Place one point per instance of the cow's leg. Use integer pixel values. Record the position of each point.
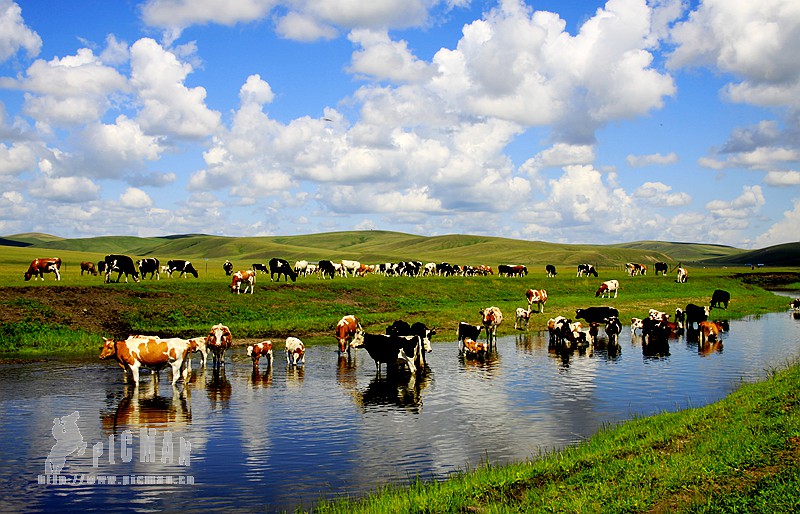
(135, 372)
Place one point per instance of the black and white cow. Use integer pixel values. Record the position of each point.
(402, 328)
(596, 314)
(661, 267)
(228, 267)
(720, 299)
(120, 264)
(281, 267)
(258, 266)
(388, 349)
(695, 314)
(586, 269)
(551, 270)
(149, 265)
(467, 331)
(795, 304)
(326, 268)
(185, 268)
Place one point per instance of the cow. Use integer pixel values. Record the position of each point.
(88, 267)
(185, 267)
(281, 267)
(301, 268)
(470, 348)
(262, 349)
(680, 318)
(521, 318)
(245, 276)
(607, 287)
(429, 269)
(295, 352)
(709, 331)
(537, 296)
(151, 352)
(682, 275)
(345, 331)
(465, 330)
(257, 266)
(149, 265)
(550, 270)
(661, 267)
(197, 345)
(326, 268)
(720, 299)
(120, 264)
(228, 267)
(586, 269)
(39, 267)
(388, 349)
(402, 328)
(695, 314)
(218, 340)
(491, 317)
(636, 324)
(350, 266)
(655, 335)
(613, 329)
(101, 267)
(795, 304)
(512, 270)
(596, 314)
(556, 328)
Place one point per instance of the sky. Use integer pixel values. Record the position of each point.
(571, 121)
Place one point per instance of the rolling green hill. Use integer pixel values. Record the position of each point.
(382, 246)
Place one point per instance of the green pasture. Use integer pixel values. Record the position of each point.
(310, 307)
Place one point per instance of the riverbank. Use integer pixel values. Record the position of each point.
(741, 454)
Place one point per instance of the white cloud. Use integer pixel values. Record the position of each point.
(14, 33)
(384, 59)
(65, 189)
(782, 178)
(657, 194)
(135, 198)
(638, 161)
(16, 159)
(743, 207)
(303, 27)
(784, 231)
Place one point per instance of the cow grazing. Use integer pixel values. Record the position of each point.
(661, 267)
(596, 314)
(695, 314)
(281, 267)
(39, 267)
(295, 352)
(88, 267)
(350, 266)
(185, 267)
(151, 352)
(634, 269)
(326, 268)
(682, 275)
(537, 296)
(512, 270)
(301, 268)
(120, 264)
(228, 267)
(149, 265)
(247, 277)
(262, 349)
(521, 318)
(586, 269)
(720, 299)
(550, 270)
(709, 331)
(607, 287)
(218, 340)
(257, 266)
(345, 331)
(613, 329)
(491, 318)
(388, 349)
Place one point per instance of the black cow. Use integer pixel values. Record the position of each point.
(228, 267)
(101, 266)
(661, 267)
(326, 267)
(388, 349)
(551, 270)
(120, 264)
(586, 269)
(445, 269)
(465, 330)
(695, 314)
(281, 267)
(720, 299)
(149, 265)
(655, 336)
(257, 266)
(596, 314)
(185, 267)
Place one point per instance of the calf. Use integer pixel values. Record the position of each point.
(148, 351)
(720, 299)
(491, 318)
(39, 267)
(262, 349)
(257, 266)
(557, 327)
(149, 265)
(682, 275)
(607, 287)
(197, 345)
(295, 352)
(636, 324)
(521, 319)
(88, 267)
(345, 331)
(550, 270)
(537, 296)
(470, 348)
(218, 340)
(247, 277)
(326, 268)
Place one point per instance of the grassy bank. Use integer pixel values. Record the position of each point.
(741, 454)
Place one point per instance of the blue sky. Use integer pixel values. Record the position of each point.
(561, 121)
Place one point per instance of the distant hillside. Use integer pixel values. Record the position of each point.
(382, 246)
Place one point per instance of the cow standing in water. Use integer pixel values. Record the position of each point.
(39, 267)
(491, 317)
(345, 331)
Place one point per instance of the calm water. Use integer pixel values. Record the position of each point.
(287, 438)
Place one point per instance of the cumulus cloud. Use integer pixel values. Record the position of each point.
(17, 158)
(743, 207)
(135, 198)
(784, 231)
(782, 178)
(639, 161)
(658, 194)
(14, 33)
(384, 59)
(65, 189)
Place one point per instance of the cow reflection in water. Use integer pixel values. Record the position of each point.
(346, 371)
(261, 378)
(218, 390)
(397, 389)
(142, 406)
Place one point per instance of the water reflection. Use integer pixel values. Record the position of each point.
(394, 389)
(142, 405)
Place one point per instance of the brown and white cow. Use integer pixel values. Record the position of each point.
(39, 267)
(262, 349)
(491, 317)
(521, 318)
(247, 277)
(295, 352)
(682, 275)
(607, 287)
(537, 296)
(709, 331)
(218, 340)
(151, 352)
(197, 345)
(88, 267)
(345, 330)
(470, 348)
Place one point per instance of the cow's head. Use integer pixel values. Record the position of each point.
(358, 338)
(109, 348)
(219, 337)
